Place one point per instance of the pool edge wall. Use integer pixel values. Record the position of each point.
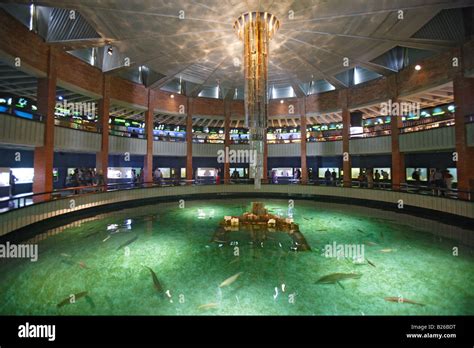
(23, 223)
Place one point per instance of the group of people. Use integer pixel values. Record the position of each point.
(370, 179)
(85, 177)
(440, 181)
(330, 177)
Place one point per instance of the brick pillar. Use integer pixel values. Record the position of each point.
(396, 122)
(464, 102)
(304, 168)
(44, 155)
(227, 114)
(265, 159)
(149, 125)
(189, 139)
(102, 157)
(346, 134)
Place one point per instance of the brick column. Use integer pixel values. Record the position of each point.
(44, 155)
(346, 134)
(149, 125)
(102, 157)
(189, 139)
(396, 122)
(304, 168)
(227, 114)
(265, 159)
(464, 102)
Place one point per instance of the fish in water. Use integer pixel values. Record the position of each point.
(106, 238)
(306, 219)
(82, 265)
(67, 300)
(370, 263)
(337, 277)
(128, 242)
(91, 234)
(67, 262)
(65, 255)
(371, 243)
(156, 282)
(237, 259)
(387, 250)
(208, 306)
(402, 300)
(359, 230)
(230, 280)
(321, 230)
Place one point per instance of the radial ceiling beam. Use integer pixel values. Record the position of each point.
(422, 44)
(332, 80)
(380, 69)
(297, 89)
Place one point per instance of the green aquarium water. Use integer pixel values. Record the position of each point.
(106, 258)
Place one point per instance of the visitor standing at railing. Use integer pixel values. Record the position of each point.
(416, 176)
(13, 180)
(377, 178)
(448, 180)
(327, 176)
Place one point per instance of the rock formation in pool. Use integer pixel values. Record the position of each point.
(260, 224)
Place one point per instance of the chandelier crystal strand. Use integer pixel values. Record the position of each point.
(256, 29)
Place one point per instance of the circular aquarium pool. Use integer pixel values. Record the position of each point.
(165, 259)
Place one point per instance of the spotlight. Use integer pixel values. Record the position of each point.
(172, 96)
(282, 101)
(417, 67)
(110, 51)
(60, 97)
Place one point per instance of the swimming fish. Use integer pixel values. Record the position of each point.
(65, 255)
(230, 280)
(208, 306)
(82, 265)
(321, 230)
(371, 243)
(402, 300)
(106, 238)
(127, 242)
(67, 300)
(237, 259)
(156, 282)
(370, 263)
(91, 234)
(337, 277)
(387, 250)
(359, 230)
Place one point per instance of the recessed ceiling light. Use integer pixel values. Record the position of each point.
(172, 96)
(282, 101)
(417, 67)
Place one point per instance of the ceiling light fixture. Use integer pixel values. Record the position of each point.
(282, 101)
(172, 96)
(417, 67)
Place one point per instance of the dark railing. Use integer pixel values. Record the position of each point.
(207, 141)
(371, 134)
(70, 123)
(20, 201)
(427, 126)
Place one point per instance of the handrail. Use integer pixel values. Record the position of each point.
(94, 189)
